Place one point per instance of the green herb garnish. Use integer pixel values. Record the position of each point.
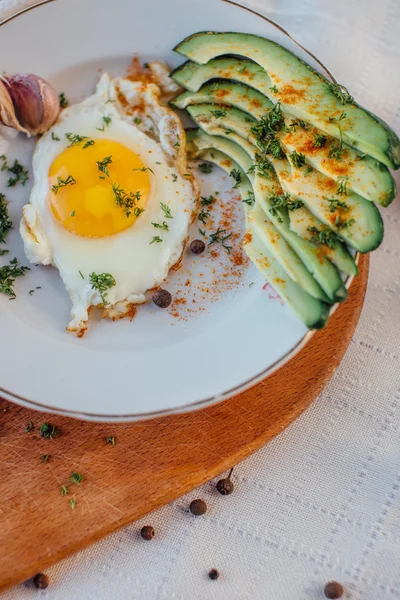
(262, 167)
(63, 100)
(103, 164)
(137, 211)
(269, 124)
(49, 431)
(163, 226)
(111, 440)
(206, 201)
(137, 121)
(236, 176)
(342, 184)
(298, 159)
(54, 137)
(219, 112)
(319, 140)
(144, 169)
(156, 240)
(218, 238)
(250, 199)
(21, 175)
(166, 210)
(125, 201)
(282, 201)
(294, 124)
(76, 478)
(274, 89)
(341, 223)
(72, 502)
(8, 275)
(336, 151)
(62, 183)
(340, 92)
(64, 490)
(335, 203)
(75, 139)
(45, 457)
(203, 215)
(174, 177)
(205, 167)
(324, 236)
(106, 123)
(101, 283)
(5, 222)
(212, 88)
(29, 427)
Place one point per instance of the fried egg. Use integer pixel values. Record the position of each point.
(112, 198)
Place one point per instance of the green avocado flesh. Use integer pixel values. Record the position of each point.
(359, 224)
(302, 92)
(365, 175)
(323, 271)
(270, 253)
(312, 163)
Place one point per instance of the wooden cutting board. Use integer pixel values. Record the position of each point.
(152, 463)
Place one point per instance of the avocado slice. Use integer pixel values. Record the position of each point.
(311, 311)
(226, 92)
(351, 217)
(364, 175)
(192, 76)
(322, 269)
(307, 226)
(301, 91)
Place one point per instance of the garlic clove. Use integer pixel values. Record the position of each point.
(7, 111)
(35, 103)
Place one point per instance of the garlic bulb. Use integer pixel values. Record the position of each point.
(28, 103)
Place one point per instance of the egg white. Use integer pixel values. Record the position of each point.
(136, 264)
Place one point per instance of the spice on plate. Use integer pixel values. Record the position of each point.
(198, 507)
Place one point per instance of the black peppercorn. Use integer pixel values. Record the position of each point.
(198, 507)
(41, 581)
(213, 574)
(162, 298)
(225, 487)
(333, 590)
(197, 246)
(147, 532)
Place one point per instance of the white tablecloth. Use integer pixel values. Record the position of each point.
(322, 501)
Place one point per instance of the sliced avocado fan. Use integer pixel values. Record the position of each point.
(351, 217)
(265, 192)
(302, 91)
(363, 174)
(267, 252)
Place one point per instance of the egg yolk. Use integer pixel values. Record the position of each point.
(98, 190)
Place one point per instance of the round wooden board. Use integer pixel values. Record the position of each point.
(152, 463)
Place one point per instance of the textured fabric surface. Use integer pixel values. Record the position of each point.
(322, 501)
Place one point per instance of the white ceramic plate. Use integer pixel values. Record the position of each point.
(234, 335)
